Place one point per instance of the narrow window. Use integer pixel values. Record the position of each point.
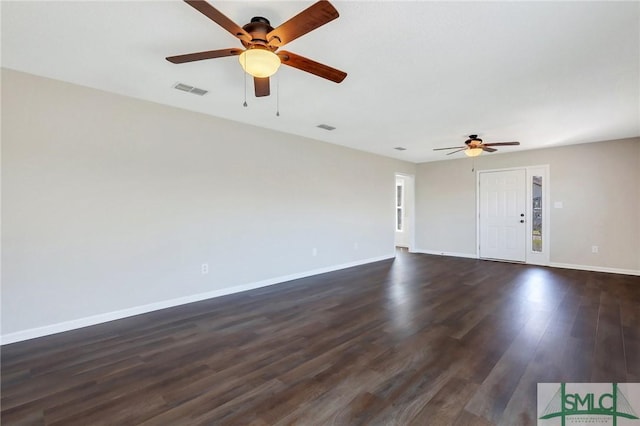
(536, 226)
(399, 206)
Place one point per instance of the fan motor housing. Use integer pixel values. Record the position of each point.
(259, 27)
(473, 140)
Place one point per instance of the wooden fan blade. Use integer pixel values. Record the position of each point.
(453, 152)
(501, 143)
(453, 147)
(261, 86)
(488, 149)
(310, 66)
(199, 56)
(306, 21)
(219, 18)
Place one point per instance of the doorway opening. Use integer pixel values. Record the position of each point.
(404, 211)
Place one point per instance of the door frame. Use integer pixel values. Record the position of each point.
(531, 257)
(409, 207)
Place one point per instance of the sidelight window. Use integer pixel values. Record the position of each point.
(536, 226)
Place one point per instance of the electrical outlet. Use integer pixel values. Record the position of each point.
(594, 249)
(355, 246)
(204, 268)
(314, 252)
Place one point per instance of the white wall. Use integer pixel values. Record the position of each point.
(109, 203)
(597, 183)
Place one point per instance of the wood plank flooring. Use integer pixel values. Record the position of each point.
(419, 340)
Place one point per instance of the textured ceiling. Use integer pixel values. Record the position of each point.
(421, 74)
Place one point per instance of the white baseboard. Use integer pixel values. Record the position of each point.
(60, 327)
(445, 253)
(595, 268)
(551, 264)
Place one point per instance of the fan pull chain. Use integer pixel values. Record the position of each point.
(277, 95)
(245, 82)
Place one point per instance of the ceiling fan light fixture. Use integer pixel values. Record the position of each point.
(473, 152)
(259, 63)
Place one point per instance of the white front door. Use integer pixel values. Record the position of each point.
(502, 215)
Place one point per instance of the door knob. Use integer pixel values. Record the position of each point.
(522, 221)
(521, 214)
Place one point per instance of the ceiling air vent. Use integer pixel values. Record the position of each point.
(400, 148)
(326, 127)
(190, 89)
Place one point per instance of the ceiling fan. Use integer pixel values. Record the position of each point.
(260, 57)
(474, 146)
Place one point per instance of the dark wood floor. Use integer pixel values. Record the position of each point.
(421, 339)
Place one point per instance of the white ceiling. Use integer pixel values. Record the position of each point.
(421, 74)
